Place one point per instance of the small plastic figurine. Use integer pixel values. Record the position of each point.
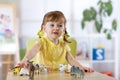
(72, 71)
(24, 71)
(16, 70)
(77, 72)
(37, 68)
(43, 68)
(62, 67)
(31, 69)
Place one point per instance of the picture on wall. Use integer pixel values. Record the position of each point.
(7, 24)
(7, 27)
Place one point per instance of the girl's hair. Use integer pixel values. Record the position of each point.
(55, 16)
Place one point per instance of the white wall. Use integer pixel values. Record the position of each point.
(31, 13)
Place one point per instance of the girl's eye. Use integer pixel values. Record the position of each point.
(60, 25)
(52, 25)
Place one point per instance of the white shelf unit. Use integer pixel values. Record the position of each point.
(86, 43)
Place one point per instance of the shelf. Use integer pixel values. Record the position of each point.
(96, 51)
(103, 61)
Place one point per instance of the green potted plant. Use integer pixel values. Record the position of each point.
(105, 10)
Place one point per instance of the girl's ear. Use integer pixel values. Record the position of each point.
(64, 30)
(44, 28)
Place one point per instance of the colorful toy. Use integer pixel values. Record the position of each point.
(16, 70)
(99, 53)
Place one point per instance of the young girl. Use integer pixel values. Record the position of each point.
(52, 48)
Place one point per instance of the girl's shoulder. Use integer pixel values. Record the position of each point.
(40, 40)
(61, 41)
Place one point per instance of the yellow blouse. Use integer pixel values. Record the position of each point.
(50, 54)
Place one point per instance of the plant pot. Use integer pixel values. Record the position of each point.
(90, 27)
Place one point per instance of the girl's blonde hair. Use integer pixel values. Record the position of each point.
(54, 16)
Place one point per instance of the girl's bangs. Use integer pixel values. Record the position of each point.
(55, 19)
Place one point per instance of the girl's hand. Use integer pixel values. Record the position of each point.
(23, 63)
(87, 69)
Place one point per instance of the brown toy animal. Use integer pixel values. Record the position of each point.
(31, 69)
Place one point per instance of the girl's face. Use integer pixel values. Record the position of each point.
(54, 29)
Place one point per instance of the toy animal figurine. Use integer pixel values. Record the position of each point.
(43, 69)
(37, 68)
(77, 72)
(72, 71)
(31, 69)
(16, 70)
(24, 71)
(62, 67)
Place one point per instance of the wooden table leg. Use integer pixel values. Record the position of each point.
(5, 66)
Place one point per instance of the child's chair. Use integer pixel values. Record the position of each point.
(73, 46)
(29, 45)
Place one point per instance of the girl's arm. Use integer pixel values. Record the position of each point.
(73, 62)
(31, 53)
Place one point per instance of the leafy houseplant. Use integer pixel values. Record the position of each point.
(105, 10)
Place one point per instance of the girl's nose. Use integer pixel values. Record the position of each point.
(56, 27)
